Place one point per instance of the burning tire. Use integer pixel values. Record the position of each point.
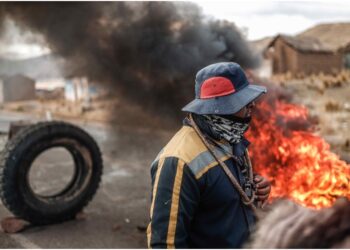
(18, 157)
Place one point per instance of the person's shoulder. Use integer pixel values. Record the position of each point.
(185, 145)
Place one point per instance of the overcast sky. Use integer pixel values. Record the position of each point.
(266, 18)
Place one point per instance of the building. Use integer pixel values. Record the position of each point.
(324, 48)
(16, 88)
(302, 55)
(80, 89)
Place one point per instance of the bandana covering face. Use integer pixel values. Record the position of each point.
(229, 129)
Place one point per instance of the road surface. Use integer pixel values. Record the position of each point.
(118, 214)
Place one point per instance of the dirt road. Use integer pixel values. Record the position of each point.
(118, 215)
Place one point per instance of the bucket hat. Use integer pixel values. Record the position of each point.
(222, 89)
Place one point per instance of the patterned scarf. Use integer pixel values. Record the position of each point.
(230, 130)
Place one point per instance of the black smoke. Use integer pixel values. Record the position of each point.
(146, 52)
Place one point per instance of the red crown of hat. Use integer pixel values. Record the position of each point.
(215, 87)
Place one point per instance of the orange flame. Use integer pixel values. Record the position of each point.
(298, 163)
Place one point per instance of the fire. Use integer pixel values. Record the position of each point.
(298, 163)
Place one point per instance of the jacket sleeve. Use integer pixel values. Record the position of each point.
(175, 197)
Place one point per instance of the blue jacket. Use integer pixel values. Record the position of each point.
(194, 204)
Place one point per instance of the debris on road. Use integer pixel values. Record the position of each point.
(13, 225)
(142, 228)
(116, 227)
(81, 216)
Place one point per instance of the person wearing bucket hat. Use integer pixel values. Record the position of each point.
(222, 89)
(204, 191)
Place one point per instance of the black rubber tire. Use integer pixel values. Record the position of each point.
(18, 156)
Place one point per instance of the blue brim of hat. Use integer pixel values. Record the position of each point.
(225, 105)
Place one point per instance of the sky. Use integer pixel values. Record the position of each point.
(256, 18)
(15, 44)
(259, 19)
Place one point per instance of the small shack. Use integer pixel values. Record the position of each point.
(16, 88)
(322, 48)
(305, 55)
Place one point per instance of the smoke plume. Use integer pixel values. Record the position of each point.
(147, 52)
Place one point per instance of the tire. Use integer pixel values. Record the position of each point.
(20, 153)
